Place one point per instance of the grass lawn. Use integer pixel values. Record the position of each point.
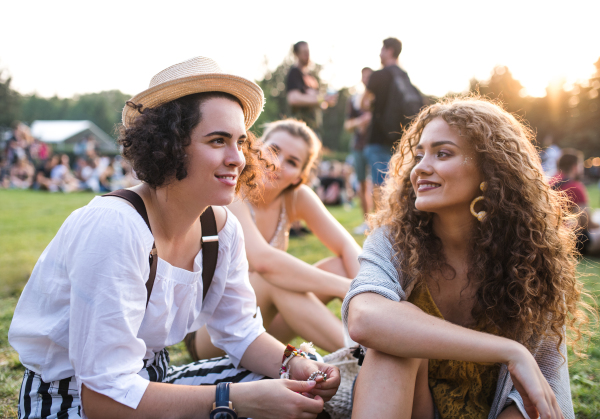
(29, 220)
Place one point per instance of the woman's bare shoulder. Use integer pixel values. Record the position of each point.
(220, 217)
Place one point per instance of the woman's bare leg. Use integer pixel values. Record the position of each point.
(279, 327)
(389, 386)
(300, 313)
(281, 330)
(204, 347)
(423, 401)
(304, 313)
(335, 265)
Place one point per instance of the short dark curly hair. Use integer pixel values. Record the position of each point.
(155, 143)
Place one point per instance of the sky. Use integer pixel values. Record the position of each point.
(66, 47)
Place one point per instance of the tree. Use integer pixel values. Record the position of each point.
(10, 101)
(103, 109)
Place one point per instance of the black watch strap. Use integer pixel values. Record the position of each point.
(223, 408)
(222, 397)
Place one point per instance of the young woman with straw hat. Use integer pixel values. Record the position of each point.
(93, 322)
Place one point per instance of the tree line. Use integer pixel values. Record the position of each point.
(570, 116)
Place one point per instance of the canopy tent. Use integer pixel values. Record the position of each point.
(64, 135)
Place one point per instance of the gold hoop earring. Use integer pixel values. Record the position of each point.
(481, 214)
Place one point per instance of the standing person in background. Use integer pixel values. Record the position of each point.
(303, 90)
(357, 121)
(393, 100)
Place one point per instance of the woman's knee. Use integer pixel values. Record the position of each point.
(333, 264)
(378, 360)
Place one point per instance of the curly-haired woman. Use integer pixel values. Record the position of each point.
(467, 283)
(93, 322)
(291, 293)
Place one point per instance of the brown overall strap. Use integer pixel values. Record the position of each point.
(138, 203)
(210, 241)
(210, 251)
(210, 248)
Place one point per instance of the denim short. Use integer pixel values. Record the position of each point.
(360, 165)
(378, 157)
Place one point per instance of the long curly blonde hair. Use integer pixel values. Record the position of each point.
(522, 257)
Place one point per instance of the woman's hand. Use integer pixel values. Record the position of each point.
(275, 399)
(301, 369)
(538, 398)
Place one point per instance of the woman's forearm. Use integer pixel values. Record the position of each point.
(297, 98)
(160, 400)
(263, 356)
(288, 272)
(403, 330)
(350, 258)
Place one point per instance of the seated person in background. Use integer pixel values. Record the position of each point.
(88, 174)
(332, 188)
(568, 180)
(291, 293)
(62, 177)
(21, 174)
(43, 180)
(468, 283)
(106, 176)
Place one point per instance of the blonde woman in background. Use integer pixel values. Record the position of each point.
(292, 294)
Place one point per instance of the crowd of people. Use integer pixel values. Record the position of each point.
(457, 306)
(376, 116)
(28, 163)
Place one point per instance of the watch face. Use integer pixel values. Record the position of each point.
(223, 413)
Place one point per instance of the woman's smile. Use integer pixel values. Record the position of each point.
(424, 186)
(228, 179)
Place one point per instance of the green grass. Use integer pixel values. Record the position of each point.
(29, 220)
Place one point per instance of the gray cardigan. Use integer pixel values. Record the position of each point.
(378, 274)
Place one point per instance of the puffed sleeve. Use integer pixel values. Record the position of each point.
(236, 321)
(377, 272)
(107, 266)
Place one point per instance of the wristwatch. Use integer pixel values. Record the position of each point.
(222, 407)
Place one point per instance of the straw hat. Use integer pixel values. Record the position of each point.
(197, 75)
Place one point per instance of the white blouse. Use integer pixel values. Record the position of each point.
(83, 311)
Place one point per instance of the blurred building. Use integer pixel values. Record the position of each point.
(64, 136)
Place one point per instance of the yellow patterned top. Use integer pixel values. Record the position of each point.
(460, 389)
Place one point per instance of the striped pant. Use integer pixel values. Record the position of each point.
(60, 399)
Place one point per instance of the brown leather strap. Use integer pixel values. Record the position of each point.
(210, 242)
(138, 203)
(210, 251)
(210, 248)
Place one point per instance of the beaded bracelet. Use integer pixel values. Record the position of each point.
(288, 354)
